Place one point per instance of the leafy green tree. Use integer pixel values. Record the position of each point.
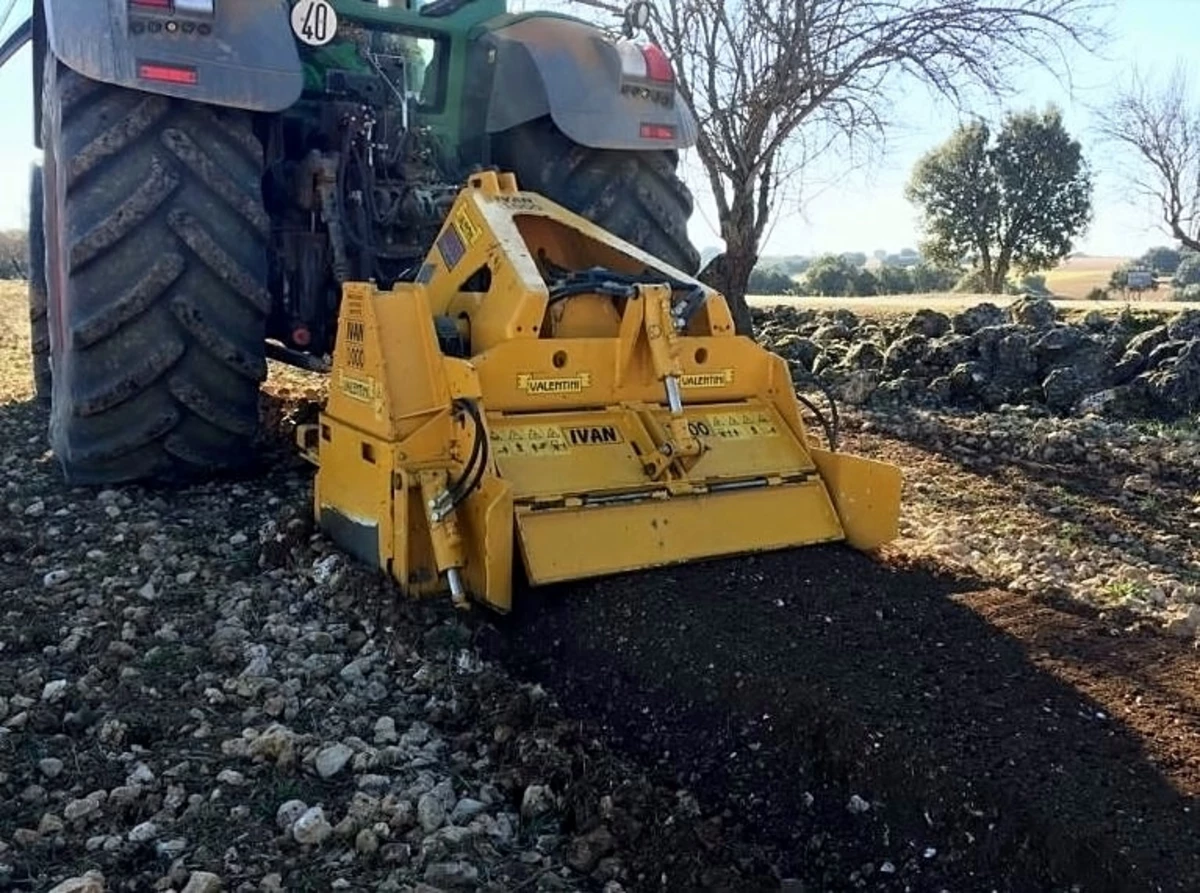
(894, 281)
(771, 281)
(1019, 201)
(1188, 272)
(829, 276)
(927, 277)
(970, 282)
(1162, 259)
(863, 284)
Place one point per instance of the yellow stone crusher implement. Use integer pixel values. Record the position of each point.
(546, 387)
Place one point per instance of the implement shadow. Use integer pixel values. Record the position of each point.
(780, 686)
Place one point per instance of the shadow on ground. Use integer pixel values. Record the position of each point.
(782, 686)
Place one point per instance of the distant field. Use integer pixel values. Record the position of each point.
(1076, 277)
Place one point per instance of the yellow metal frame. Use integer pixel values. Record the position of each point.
(601, 432)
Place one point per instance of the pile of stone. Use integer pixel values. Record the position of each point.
(1119, 366)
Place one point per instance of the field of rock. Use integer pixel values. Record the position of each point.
(1041, 451)
(198, 693)
(1127, 365)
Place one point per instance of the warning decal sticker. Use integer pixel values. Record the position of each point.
(742, 425)
(528, 440)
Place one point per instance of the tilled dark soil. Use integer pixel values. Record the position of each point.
(877, 727)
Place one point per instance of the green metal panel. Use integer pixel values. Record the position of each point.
(455, 29)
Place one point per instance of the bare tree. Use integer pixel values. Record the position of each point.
(1162, 128)
(774, 83)
(14, 251)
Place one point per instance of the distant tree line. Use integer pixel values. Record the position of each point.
(14, 254)
(1181, 266)
(844, 275)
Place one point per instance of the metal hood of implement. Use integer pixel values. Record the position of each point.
(547, 389)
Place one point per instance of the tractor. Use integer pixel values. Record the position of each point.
(216, 171)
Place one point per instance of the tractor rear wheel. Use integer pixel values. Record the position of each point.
(157, 264)
(39, 325)
(636, 196)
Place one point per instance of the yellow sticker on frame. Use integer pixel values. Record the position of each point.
(466, 227)
(528, 440)
(742, 425)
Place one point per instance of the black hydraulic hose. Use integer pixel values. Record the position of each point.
(830, 437)
(476, 480)
(476, 463)
(464, 406)
(832, 430)
(579, 282)
(571, 289)
(340, 193)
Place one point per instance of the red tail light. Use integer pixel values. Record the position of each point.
(658, 66)
(181, 7)
(658, 132)
(168, 74)
(644, 62)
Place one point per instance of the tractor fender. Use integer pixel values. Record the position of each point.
(243, 56)
(544, 64)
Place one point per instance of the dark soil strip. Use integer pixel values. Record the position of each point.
(783, 685)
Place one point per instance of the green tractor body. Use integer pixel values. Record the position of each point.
(214, 170)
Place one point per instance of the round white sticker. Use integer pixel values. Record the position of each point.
(314, 21)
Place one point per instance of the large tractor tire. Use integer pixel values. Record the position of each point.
(636, 196)
(39, 324)
(157, 264)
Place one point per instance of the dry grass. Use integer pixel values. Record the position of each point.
(16, 382)
(1077, 276)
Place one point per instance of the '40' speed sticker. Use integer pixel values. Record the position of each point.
(314, 21)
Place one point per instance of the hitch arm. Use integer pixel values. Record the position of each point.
(661, 334)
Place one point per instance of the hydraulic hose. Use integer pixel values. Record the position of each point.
(477, 461)
(832, 428)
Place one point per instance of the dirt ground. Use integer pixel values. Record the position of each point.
(1002, 743)
(844, 721)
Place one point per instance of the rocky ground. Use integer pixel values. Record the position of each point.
(1130, 365)
(1094, 497)
(198, 693)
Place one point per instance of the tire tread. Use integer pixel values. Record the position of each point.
(637, 196)
(165, 301)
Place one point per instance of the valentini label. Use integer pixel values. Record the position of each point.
(573, 384)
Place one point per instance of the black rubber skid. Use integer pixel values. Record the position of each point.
(636, 196)
(159, 238)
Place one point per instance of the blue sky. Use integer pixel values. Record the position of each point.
(865, 210)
